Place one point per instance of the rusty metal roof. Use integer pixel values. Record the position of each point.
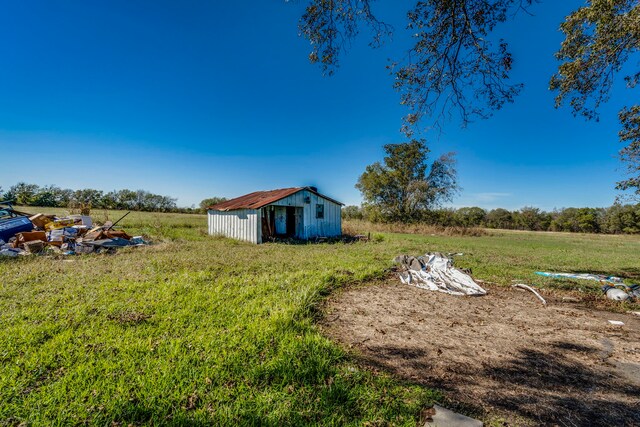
(259, 199)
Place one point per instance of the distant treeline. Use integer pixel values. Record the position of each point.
(51, 196)
(617, 219)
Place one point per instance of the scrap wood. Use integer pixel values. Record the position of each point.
(40, 220)
(34, 246)
(99, 234)
(30, 236)
(527, 287)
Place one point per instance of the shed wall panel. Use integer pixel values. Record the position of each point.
(241, 224)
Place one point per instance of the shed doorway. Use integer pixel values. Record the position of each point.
(294, 222)
(291, 221)
(282, 222)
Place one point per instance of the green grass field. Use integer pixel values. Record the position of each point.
(196, 330)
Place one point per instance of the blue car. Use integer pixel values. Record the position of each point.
(12, 222)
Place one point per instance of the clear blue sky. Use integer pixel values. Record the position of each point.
(195, 99)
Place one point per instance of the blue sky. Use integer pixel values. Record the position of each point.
(195, 99)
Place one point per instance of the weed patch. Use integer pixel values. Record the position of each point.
(129, 317)
(359, 227)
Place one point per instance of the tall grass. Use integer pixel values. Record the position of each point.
(354, 226)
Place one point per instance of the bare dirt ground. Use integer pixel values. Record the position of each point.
(503, 357)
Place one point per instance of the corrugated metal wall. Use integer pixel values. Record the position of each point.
(241, 224)
(329, 226)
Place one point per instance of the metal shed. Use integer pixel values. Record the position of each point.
(298, 212)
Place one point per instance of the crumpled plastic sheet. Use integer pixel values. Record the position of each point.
(435, 272)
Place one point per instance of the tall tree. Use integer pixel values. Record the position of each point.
(600, 38)
(404, 185)
(630, 155)
(499, 218)
(471, 217)
(532, 218)
(22, 193)
(453, 67)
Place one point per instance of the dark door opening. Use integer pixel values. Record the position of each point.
(291, 221)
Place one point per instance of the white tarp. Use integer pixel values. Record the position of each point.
(435, 272)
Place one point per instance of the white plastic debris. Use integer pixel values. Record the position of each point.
(446, 418)
(529, 288)
(615, 293)
(616, 322)
(435, 272)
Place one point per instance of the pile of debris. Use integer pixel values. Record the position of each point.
(613, 287)
(25, 234)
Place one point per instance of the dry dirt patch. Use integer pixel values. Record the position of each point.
(502, 355)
